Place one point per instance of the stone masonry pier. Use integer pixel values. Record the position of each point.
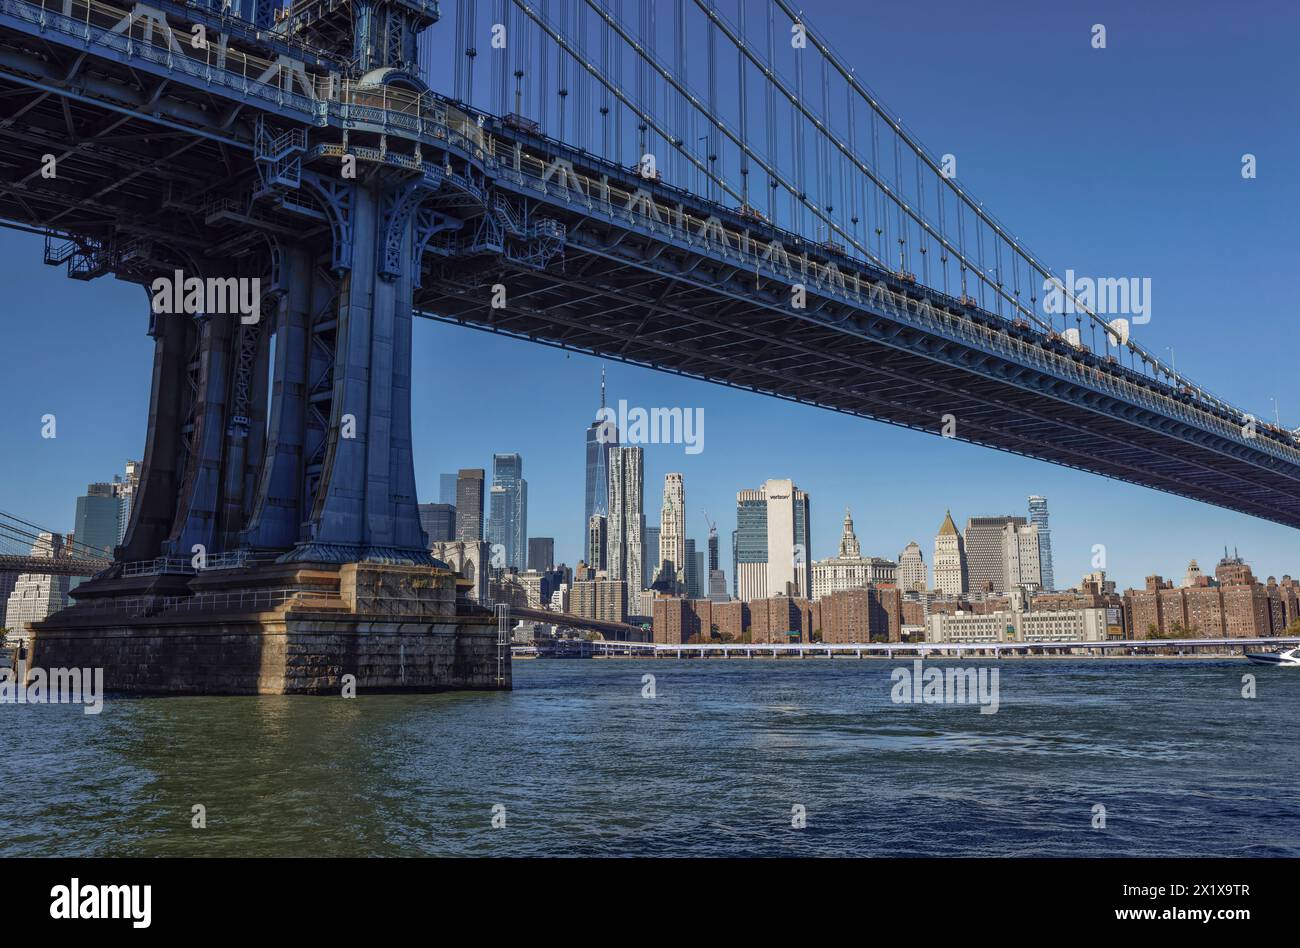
(281, 629)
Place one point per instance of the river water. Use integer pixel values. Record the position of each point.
(723, 760)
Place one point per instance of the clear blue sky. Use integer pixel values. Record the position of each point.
(1123, 161)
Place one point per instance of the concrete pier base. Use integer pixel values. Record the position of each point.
(281, 629)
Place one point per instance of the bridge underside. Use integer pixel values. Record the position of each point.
(157, 171)
(629, 299)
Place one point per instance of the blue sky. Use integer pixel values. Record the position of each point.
(1123, 161)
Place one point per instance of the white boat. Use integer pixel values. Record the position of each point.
(1286, 656)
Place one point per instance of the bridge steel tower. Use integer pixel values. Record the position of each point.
(278, 454)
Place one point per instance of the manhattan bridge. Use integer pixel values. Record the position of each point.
(703, 188)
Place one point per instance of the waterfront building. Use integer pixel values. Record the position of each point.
(850, 569)
(950, 576)
(36, 596)
(912, 574)
(1232, 604)
(731, 618)
(508, 517)
(602, 438)
(681, 621)
(438, 521)
(626, 516)
(778, 619)
(1017, 625)
(1039, 517)
(986, 569)
(771, 541)
(541, 553)
(469, 504)
(862, 615)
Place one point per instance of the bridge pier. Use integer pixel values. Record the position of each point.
(255, 530)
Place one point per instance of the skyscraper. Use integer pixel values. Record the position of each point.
(469, 503)
(626, 516)
(541, 554)
(438, 521)
(717, 579)
(597, 541)
(949, 559)
(911, 569)
(508, 515)
(602, 438)
(985, 565)
(125, 487)
(447, 489)
(771, 542)
(1038, 517)
(672, 534)
(749, 546)
(649, 556)
(97, 523)
(1021, 557)
(36, 596)
(98, 517)
(690, 579)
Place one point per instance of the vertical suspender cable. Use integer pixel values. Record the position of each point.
(797, 140)
(713, 104)
(458, 63)
(543, 79)
(742, 81)
(502, 70)
(471, 52)
(769, 112)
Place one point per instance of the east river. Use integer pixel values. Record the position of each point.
(739, 757)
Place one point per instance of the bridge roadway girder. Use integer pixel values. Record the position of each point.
(637, 297)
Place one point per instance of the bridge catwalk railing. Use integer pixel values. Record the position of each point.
(91, 22)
